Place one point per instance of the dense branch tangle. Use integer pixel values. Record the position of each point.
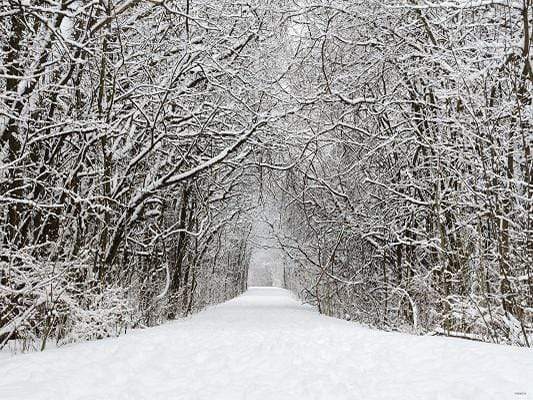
(395, 139)
(415, 184)
(124, 125)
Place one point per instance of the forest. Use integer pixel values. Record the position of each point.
(391, 142)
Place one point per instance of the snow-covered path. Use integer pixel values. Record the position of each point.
(265, 345)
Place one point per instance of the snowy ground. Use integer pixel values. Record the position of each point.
(265, 345)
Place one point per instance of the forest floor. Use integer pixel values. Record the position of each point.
(266, 345)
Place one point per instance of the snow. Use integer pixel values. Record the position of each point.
(266, 345)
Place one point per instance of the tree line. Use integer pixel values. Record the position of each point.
(409, 200)
(393, 139)
(124, 126)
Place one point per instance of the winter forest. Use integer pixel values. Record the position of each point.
(384, 146)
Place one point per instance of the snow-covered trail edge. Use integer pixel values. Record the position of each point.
(265, 345)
